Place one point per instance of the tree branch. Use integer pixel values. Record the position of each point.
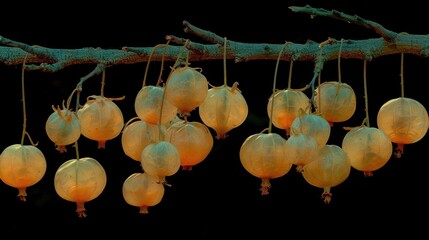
(51, 60)
(380, 30)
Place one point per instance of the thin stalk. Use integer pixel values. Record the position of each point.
(289, 83)
(103, 82)
(76, 146)
(162, 64)
(166, 85)
(224, 63)
(274, 87)
(149, 59)
(402, 75)
(77, 150)
(339, 61)
(365, 89)
(24, 125)
(319, 81)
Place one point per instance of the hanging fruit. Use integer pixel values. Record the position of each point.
(335, 101)
(223, 109)
(143, 191)
(367, 148)
(193, 140)
(186, 88)
(313, 125)
(100, 119)
(137, 135)
(301, 149)
(287, 106)
(404, 120)
(80, 181)
(150, 99)
(148, 104)
(62, 128)
(22, 166)
(330, 168)
(160, 159)
(264, 156)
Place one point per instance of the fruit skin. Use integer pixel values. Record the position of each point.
(186, 89)
(80, 180)
(264, 156)
(286, 105)
(22, 166)
(147, 105)
(224, 109)
(100, 120)
(142, 190)
(63, 128)
(336, 101)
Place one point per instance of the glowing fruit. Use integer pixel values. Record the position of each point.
(367, 148)
(100, 119)
(330, 168)
(313, 125)
(186, 89)
(22, 166)
(143, 191)
(137, 135)
(160, 159)
(288, 104)
(335, 101)
(62, 128)
(223, 109)
(301, 149)
(193, 140)
(264, 156)
(80, 181)
(404, 120)
(148, 105)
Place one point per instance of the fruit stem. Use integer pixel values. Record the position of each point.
(274, 86)
(339, 61)
(224, 63)
(365, 89)
(24, 125)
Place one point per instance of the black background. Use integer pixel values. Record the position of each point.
(218, 198)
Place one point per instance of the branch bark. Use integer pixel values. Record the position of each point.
(389, 42)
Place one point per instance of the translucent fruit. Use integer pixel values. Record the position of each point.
(160, 159)
(100, 119)
(22, 166)
(223, 109)
(193, 140)
(367, 148)
(330, 168)
(264, 156)
(335, 101)
(80, 181)
(143, 191)
(186, 89)
(287, 105)
(62, 128)
(301, 149)
(313, 125)
(404, 120)
(148, 105)
(137, 135)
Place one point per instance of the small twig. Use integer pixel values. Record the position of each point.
(204, 34)
(192, 46)
(35, 50)
(380, 30)
(97, 70)
(45, 67)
